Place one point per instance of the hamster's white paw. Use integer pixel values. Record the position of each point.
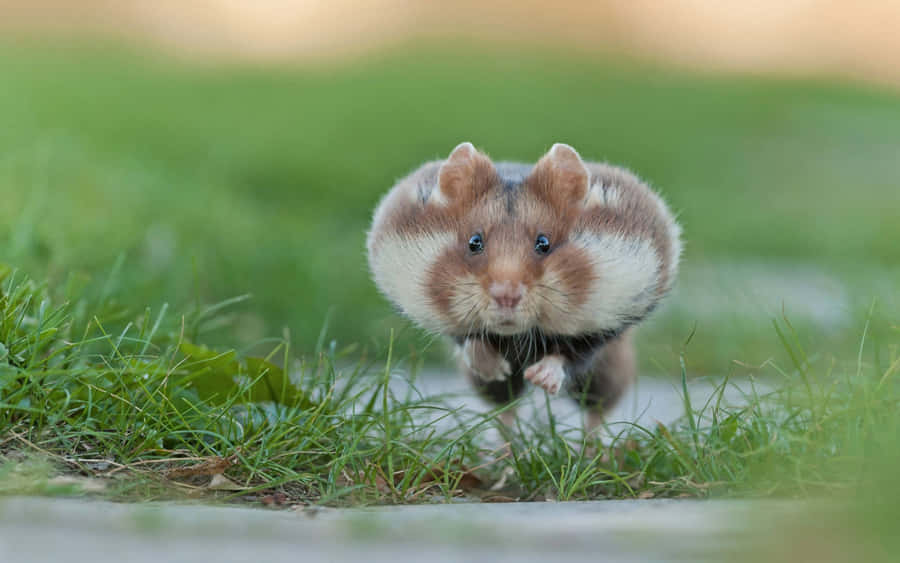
(501, 370)
(549, 373)
(484, 363)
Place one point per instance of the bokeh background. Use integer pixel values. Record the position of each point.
(189, 152)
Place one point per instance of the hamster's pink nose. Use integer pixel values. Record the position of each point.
(506, 293)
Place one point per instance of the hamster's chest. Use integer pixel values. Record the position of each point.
(523, 350)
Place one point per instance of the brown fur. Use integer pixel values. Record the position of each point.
(562, 198)
(609, 373)
(635, 215)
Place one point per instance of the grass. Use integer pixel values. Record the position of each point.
(141, 405)
(143, 189)
(214, 181)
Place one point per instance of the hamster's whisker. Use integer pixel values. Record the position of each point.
(560, 308)
(565, 294)
(532, 345)
(470, 312)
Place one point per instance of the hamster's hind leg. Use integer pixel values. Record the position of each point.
(601, 384)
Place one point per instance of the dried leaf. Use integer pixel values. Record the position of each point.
(507, 473)
(220, 482)
(212, 466)
(498, 498)
(468, 481)
(274, 499)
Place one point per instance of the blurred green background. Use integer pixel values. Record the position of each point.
(215, 179)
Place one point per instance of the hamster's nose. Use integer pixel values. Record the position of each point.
(506, 293)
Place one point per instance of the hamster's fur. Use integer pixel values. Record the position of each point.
(538, 272)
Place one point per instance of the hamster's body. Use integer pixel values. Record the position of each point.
(538, 272)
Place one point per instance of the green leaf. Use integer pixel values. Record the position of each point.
(728, 428)
(272, 384)
(215, 376)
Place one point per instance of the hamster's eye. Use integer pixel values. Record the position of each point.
(542, 244)
(476, 244)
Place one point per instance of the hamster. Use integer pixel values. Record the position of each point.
(537, 272)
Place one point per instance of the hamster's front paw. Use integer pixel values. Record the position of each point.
(549, 373)
(498, 371)
(484, 362)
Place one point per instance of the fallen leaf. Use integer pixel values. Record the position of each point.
(212, 466)
(220, 482)
(646, 495)
(498, 498)
(274, 499)
(507, 473)
(468, 481)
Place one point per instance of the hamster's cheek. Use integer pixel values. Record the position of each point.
(468, 303)
(563, 289)
(569, 271)
(401, 268)
(452, 291)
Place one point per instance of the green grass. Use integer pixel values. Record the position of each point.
(143, 189)
(140, 403)
(220, 180)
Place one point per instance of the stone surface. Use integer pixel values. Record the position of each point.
(650, 400)
(41, 529)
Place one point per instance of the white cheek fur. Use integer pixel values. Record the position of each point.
(397, 266)
(625, 283)
(675, 254)
(609, 195)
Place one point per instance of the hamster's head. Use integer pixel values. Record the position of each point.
(464, 249)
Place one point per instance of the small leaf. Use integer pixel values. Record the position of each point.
(220, 482)
(497, 499)
(214, 374)
(272, 384)
(728, 428)
(212, 466)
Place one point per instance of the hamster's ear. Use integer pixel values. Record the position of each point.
(464, 174)
(561, 175)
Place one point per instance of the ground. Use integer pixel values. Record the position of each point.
(37, 530)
